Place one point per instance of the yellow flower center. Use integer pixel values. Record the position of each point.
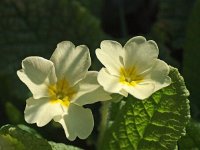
(129, 76)
(61, 92)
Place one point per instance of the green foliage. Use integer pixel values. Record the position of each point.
(23, 138)
(9, 143)
(29, 130)
(34, 28)
(192, 139)
(155, 123)
(191, 56)
(61, 146)
(27, 140)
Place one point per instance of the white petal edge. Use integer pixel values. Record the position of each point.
(89, 90)
(78, 122)
(41, 111)
(158, 75)
(71, 62)
(110, 82)
(110, 55)
(140, 53)
(140, 91)
(37, 73)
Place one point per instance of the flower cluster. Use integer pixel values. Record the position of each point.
(62, 85)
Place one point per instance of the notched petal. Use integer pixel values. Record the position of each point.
(78, 122)
(41, 111)
(37, 73)
(137, 40)
(71, 62)
(109, 54)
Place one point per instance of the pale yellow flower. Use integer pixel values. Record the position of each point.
(60, 87)
(134, 68)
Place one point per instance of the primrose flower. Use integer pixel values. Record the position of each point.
(60, 87)
(132, 69)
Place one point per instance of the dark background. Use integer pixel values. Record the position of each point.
(34, 27)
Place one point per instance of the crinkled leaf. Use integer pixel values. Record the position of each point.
(155, 123)
(192, 139)
(61, 146)
(22, 138)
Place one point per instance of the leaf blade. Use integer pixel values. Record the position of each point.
(155, 123)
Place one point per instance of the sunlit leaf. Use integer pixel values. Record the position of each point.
(155, 123)
(21, 137)
(25, 138)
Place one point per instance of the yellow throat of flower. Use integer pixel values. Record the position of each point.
(61, 92)
(129, 76)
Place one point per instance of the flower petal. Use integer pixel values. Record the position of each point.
(110, 82)
(89, 90)
(37, 73)
(110, 55)
(41, 111)
(71, 63)
(140, 91)
(78, 122)
(158, 75)
(140, 53)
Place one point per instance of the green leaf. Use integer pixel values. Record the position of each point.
(61, 146)
(29, 130)
(16, 137)
(192, 139)
(191, 61)
(23, 138)
(155, 123)
(9, 143)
